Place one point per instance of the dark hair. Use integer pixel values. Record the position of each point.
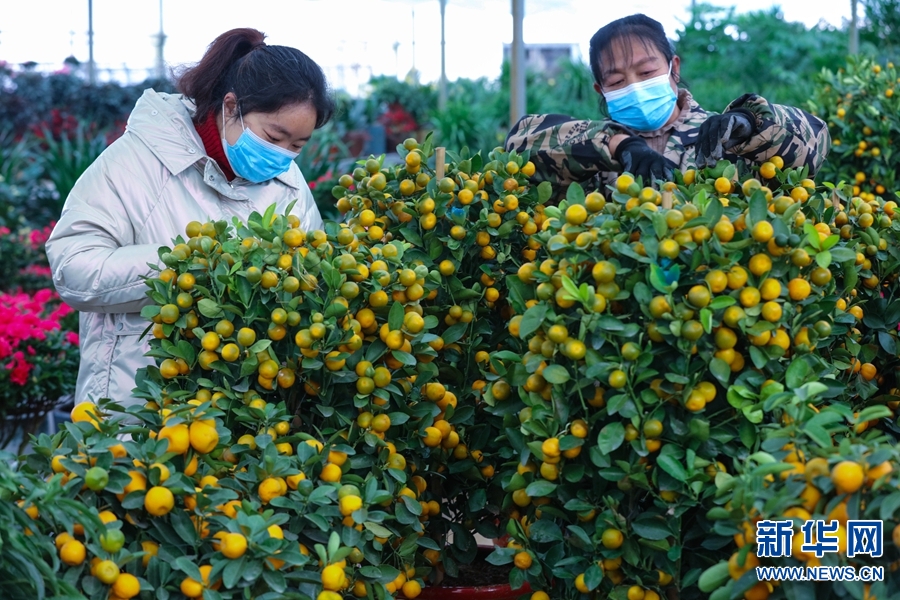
(264, 78)
(638, 26)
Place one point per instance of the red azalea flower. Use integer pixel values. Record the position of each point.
(19, 369)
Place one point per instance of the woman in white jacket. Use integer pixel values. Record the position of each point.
(224, 147)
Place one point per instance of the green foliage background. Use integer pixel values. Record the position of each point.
(724, 54)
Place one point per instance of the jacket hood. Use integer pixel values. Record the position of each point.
(163, 122)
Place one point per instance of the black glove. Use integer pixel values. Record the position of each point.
(722, 132)
(637, 158)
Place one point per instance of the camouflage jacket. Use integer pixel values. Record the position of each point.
(565, 149)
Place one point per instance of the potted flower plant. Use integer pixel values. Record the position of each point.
(38, 359)
(25, 266)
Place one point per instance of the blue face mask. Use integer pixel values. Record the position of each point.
(643, 106)
(255, 159)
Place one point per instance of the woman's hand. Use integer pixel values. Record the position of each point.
(637, 158)
(722, 132)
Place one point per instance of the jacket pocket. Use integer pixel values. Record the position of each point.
(127, 356)
(129, 324)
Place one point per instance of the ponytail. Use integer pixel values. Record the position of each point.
(206, 82)
(264, 78)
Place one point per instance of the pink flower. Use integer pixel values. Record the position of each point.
(43, 295)
(72, 338)
(37, 271)
(19, 369)
(39, 237)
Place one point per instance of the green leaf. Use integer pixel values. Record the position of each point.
(545, 530)
(759, 208)
(823, 258)
(260, 346)
(770, 469)
(724, 592)
(545, 191)
(890, 506)
(758, 357)
(721, 302)
(453, 333)
(404, 357)
(829, 242)
(330, 275)
(888, 342)
(267, 218)
(720, 370)
(812, 236)
(232, 574)
(249, 366)
(556, 374)
(571, 288)
(245, 290)
(669, 461)
(209, 308)
(714, 577)
(609, 324)
(26, 564)
(411, 236)
(658, 280)
(378, 530)
(540, 488)
(713, 214)
(796, 373)
(810, 390)
(872, 413)
(650, 527)
(611, 437)
(575, 194)
(395, 316)
(660, 227)
(506, 228)
(748, 434)
(184, 527)
(531, 320)
(623, 248)
(188, 567)
(275, 581)
(593, 577)
(500, 556)
(851, 276)
(842, 254)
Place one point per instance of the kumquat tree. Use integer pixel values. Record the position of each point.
(616, 387)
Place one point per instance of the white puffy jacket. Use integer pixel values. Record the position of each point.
(137, 196)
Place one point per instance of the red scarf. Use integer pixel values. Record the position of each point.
(209, 133)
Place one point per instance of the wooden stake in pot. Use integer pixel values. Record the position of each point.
(440, 159)
(667, 199)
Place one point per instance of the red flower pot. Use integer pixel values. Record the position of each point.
(486, 592)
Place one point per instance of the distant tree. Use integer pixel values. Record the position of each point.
(725, 54)
(881, 27)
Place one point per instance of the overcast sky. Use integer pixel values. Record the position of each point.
(351, 39)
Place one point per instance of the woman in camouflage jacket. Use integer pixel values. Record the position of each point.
(655, 127)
